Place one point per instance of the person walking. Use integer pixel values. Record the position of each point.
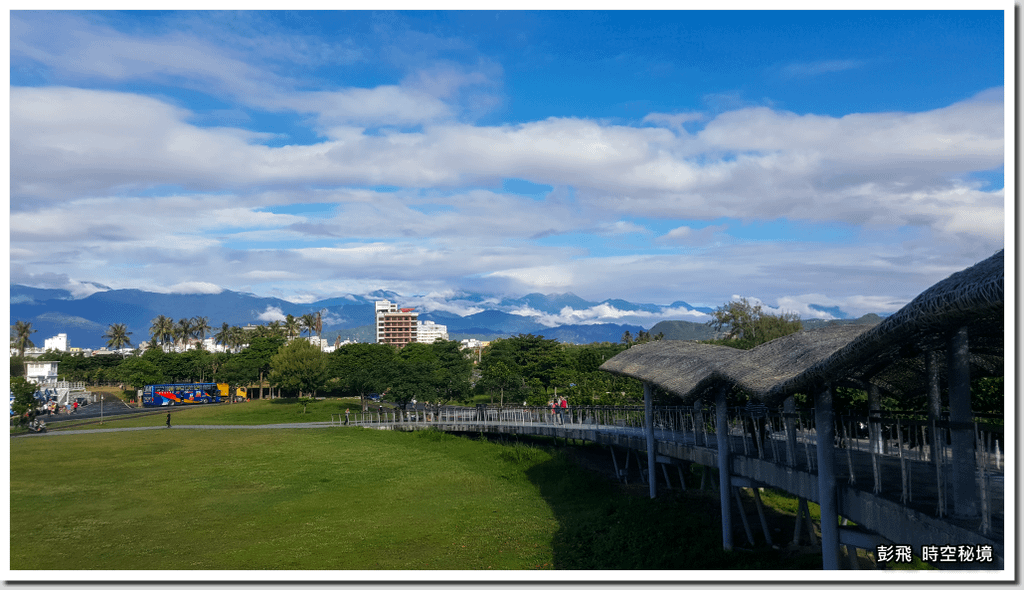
(346, 415)
(553, 404)
(565, 410)
(168, 419)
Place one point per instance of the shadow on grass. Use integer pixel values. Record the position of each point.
(602, 527)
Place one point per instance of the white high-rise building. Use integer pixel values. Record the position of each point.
(428, 331)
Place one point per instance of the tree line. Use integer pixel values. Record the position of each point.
(272, 360)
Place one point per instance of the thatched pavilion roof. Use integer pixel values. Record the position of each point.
(889, 354)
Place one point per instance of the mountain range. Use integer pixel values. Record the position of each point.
(565, 317)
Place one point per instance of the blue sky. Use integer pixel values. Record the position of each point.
(830, 159)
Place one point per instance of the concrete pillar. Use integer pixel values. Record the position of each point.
(724, 484)
(965, 493)
(789, 407)
(652, 475)
(823, 418)
(875, 428)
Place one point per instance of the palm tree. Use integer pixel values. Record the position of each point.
(225, 336)
(319, 322)
(199, 328)
(238, 337)
(308, 323)
(182, 332)
(291, 327)
(162, 330)
(117, 336)
(20, 339)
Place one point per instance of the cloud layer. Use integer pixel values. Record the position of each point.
(397, 184)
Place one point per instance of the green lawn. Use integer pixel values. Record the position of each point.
(306, 499)
(341, 499)
(337, 499)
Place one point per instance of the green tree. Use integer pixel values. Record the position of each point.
(183, 332)
(162, 329)
(363, 368)
(21, 333)
(299, 368)
(452, 372)
(504, 378)
(262, 349)
(117, 336)
(137, 373)
(748, 325)
(200, 326)
(198, 364)
(308, 323)
(414, 375)
(292, 326)
(24, 396)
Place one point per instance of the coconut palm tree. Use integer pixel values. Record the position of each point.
(162, 329)
(22, 331)
(238, 337)
(117, 336)
(225, 337)
(308, 323)
(199, 328)
(291, 326)
(183, 332)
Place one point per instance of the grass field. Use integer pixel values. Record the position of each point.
(320, 499)
(339, 499)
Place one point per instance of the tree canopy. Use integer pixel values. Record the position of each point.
(748, 325)
(298, 368)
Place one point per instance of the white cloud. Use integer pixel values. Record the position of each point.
(272, 314)
(194, 287)
(693, 237)
(816, 68)
(81, 159)
(604, 313)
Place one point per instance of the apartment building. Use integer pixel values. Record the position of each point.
(395, 326)
(428, 331)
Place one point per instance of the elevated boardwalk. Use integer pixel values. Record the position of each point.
(894, 500)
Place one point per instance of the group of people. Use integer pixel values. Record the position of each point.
(53, 408)
(559, 408)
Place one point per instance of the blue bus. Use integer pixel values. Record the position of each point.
(181, 394)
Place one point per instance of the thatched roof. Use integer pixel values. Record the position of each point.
(889, 354)
(691, 370)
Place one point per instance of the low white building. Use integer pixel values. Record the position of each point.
(42, 373)
(428, 331)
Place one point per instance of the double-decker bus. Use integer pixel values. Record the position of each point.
(179, 394)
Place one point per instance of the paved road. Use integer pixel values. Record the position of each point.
(188, 427)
